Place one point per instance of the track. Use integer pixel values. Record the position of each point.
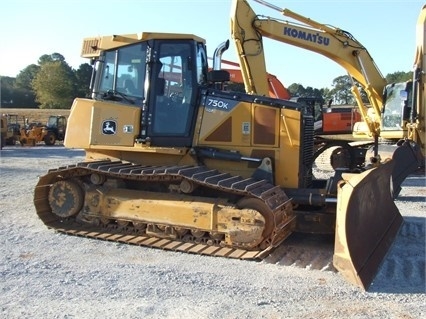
(121, 231)
(313, 252)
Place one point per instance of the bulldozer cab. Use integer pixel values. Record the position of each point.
(161, 76)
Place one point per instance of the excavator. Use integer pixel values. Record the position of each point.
(173, 161)
(374, 136)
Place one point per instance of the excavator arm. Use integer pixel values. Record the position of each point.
(248, 28)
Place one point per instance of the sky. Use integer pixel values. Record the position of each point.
(32, 28)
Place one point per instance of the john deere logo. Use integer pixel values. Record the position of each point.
(109, 127)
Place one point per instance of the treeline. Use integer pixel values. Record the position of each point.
(50, 84)
(53, 84)
(340, 93)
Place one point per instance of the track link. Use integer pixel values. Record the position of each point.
(271, 195)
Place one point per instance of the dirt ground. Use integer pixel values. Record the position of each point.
(45, 274)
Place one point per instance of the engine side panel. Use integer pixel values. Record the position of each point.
(102, 123)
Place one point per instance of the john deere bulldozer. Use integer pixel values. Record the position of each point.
(175, 162)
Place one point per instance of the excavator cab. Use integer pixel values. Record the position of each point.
(397, 106)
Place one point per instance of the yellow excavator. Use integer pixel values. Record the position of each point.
(403, 104)
(387, 122)
(175, 162)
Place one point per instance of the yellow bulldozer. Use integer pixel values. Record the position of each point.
(3, 131)
(10, 130)
(175, 162)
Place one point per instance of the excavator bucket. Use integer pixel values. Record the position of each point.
(367, 223)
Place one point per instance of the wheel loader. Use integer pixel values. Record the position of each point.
(180, 164)
(54, 130)
(32, 133)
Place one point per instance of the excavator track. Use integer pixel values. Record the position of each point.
(130, 233)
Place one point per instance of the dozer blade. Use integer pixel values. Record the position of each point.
(367, 222)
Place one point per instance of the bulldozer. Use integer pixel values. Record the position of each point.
(175, 162)
(10, 129)
(3, 131)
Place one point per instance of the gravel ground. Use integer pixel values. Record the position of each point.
(45, 274)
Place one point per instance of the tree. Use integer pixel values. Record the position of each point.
(46, 58)
(326, 94)
(399, 77)
(296, 89)
(13, 96)
(341, 91)
(25, 78)
(6, 91)
(54, 85)
(83, 75)
(23, 85)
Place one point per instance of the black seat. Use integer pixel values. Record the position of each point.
(130, 86)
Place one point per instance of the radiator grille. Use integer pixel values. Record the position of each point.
(90, 48)
(307, 151)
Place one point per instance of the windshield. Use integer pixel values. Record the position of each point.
(52, 121)
(123, 71)
(396, 107)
